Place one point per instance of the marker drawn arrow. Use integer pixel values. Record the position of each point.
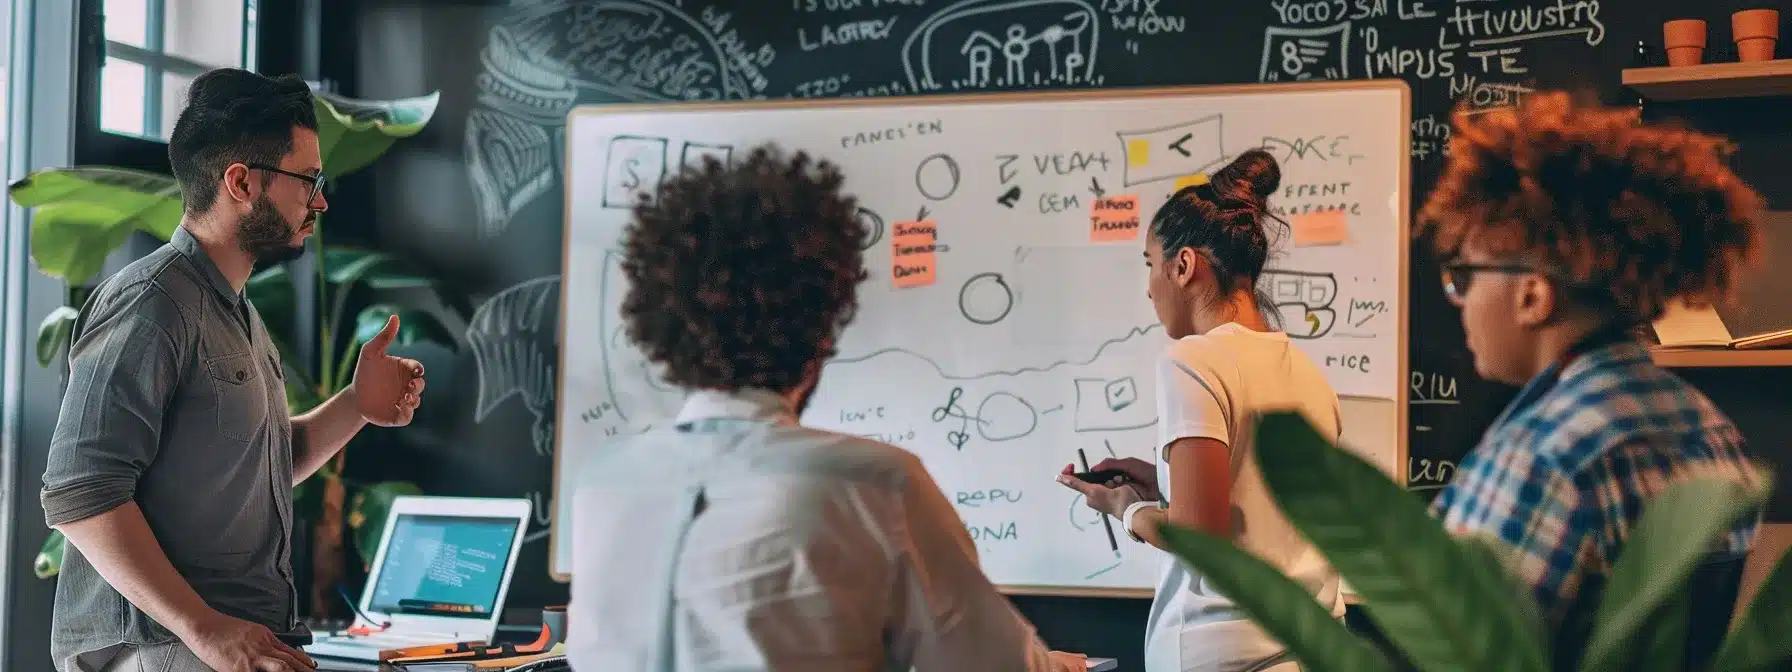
(1177, 145)
(922, 215)
(1095, 188)
(1313, 320)
(1012, 195)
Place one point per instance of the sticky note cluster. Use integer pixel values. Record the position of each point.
(1114, 218)
(912, 253)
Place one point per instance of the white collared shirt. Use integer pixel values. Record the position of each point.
(740, 540)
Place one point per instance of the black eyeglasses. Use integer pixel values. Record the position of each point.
(1458, 274)
(316, 181)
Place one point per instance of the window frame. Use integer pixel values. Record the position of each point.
(95, 144)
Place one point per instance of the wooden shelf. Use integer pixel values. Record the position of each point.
(1713, 80)
(1713, 357)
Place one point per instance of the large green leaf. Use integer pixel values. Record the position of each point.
(82, 213)
(343, 269)
(1675, 532)
(414, 326)
(367, 514)
(1661, 642)
(345, 265)
(49, 556)
(352, 133)
(1435, 599)
(1275, 602)
(1496, 556)
(1759, 640)
(54, 332)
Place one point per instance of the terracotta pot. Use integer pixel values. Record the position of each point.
(1755, 31)
(1685, 41)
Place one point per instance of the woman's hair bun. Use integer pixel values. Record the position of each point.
(1252, 176)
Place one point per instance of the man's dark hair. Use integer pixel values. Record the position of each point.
(232, 116)
(742, 276)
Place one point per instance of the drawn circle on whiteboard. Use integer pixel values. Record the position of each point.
(937, 177)
(985, 299)
(874, 227)
(1005, 417)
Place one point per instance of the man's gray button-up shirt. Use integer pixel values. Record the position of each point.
(176, 400)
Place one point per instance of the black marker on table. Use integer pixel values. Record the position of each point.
(1112, 543)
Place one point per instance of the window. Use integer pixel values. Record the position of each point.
(154, 49)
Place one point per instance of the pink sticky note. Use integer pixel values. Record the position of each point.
(1329, 227)
(1114, 218)
(912, 258)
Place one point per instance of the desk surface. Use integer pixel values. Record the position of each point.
(333, 665)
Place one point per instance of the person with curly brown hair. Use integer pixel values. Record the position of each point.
(736, 538)
(1562, 229)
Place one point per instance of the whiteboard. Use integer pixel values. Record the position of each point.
(1025, 334)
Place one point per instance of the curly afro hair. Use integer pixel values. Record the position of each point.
(1627, 215)
(742, 276)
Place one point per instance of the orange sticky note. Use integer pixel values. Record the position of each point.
(1319, 228)
(1114, 218)
(911, 253)
(1186, 181)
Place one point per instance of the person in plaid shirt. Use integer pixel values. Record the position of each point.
(1562, 229)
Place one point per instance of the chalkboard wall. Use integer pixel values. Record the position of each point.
(478, 198)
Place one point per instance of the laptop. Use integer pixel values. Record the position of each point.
(439, 577)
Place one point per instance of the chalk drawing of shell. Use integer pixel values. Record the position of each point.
(546, 57)
(513, 337)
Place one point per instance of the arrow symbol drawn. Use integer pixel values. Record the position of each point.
(1012, 195)
(922, 215)
(1095, 188)
(1313, 320)
(1177, 145)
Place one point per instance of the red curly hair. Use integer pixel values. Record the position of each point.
(1627, 215)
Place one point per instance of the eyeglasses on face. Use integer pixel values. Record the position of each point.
(1457, 275)
(316, 181)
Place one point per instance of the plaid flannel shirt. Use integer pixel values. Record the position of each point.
(1565, 471)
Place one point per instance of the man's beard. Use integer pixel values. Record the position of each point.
(267, 236)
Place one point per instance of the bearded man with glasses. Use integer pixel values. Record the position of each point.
(174, 458)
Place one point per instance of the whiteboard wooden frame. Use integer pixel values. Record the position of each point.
(1403, 215)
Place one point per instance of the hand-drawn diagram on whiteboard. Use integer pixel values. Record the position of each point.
(1170, 152)
(1304, 301)
(547, 56)
(1004, 44)
(1033, 334)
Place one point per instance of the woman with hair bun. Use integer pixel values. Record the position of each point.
(1207, 248)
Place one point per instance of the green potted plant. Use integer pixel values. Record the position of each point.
(1450, 604)
(82, 214)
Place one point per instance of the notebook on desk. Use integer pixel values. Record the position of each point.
(1762, 314)
(439, 577)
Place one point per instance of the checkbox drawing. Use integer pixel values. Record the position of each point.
(1122, 393)
(1111, 404)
